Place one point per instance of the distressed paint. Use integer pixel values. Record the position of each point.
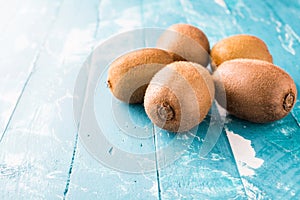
(275, 26)
(90, 179)
(275, 145)
(213, 176)
(275, 174)
(37, 147)
(22, 48)
(40, 153)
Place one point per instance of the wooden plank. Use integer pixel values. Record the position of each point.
(191, 176)
(21, 48)
(41, 156)
(269, 24)
(91, 180)
(119, 122)
(267, 155)
(122, 127)
(36, 151)
(288, 33)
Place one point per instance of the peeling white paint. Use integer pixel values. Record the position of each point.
(244, 154)
(286, 35)
(221, 3)
(289, 39)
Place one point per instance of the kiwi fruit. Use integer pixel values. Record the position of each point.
(239, 46)
(130, 74)
(179, 96)
(256, 90)
(187, 41)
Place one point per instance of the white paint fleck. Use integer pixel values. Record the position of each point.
(153, 190)
(244, 154)
(282, 186)
(292, 192)
(244, 11)
(123, 188)
(286, 35)
(278, 24)
(252, 191)
(184, 137)
(288, 39)
(216, 157)
(284, 132)
(54, 174)
(221, 3)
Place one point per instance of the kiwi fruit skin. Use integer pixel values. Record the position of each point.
(179, 96)
(256, 90)
(188, 41)
(130, 74)
(239, 46)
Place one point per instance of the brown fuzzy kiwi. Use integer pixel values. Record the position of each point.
(179, 96)
(256, 90)
(239, 46)
(129, 75)
(187, 41)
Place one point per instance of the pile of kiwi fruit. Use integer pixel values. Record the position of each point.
(177, 89)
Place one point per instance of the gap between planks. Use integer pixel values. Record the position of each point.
(66, 190)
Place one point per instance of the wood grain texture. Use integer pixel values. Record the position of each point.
(43, 46)
(90, 179)
(272, 171)
(191, 176)
(21, 48)
(37, 147)
(272, 148)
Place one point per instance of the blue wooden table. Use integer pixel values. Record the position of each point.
(44, 45)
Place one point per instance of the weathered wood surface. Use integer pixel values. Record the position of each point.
(43, 47)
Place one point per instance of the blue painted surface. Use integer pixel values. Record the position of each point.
(192, 176)
(43, 46)
(276, 148)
